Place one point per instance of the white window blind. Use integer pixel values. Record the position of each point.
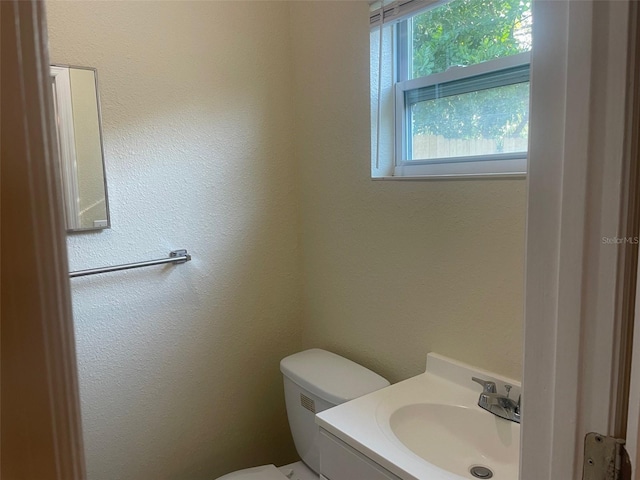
(395, 11)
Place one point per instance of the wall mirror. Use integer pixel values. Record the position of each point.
(79, 128)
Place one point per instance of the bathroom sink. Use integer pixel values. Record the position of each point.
(429, 427)
(458, 438)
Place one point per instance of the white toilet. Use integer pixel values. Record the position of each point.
(314, 380)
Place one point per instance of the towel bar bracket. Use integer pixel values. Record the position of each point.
(180, 253)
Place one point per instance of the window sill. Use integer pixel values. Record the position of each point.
(479, 176)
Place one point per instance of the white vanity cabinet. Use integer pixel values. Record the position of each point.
(339, 461)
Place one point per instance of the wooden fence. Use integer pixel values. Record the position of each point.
(437, 146)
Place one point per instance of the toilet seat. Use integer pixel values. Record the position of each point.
(265, 472)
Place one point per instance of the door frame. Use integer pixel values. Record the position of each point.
(633, 420)
(41, 425)
(580, 272)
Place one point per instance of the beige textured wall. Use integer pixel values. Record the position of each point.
(240, 130)
(393, 270)
(178, 366)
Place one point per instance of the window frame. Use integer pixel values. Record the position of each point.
(398, 16)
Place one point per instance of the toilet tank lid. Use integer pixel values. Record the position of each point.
(329, 376)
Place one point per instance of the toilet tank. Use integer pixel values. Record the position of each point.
(315, 380)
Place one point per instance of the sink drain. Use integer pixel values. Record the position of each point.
(481, 472)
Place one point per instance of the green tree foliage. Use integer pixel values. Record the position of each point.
(467, 32)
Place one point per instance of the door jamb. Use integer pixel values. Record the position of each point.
(576, 285)
(41, 426)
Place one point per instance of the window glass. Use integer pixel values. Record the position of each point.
(467, 32)
(484, 122)
(479, 115)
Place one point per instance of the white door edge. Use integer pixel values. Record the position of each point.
(633, 420)
(571, 340)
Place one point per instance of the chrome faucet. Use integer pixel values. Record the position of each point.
(496, 403)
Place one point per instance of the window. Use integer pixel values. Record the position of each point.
(450, 87)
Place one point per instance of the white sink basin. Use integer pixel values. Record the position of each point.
(457, 438)
(430, 426)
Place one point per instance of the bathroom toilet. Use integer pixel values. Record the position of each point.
(314, 380)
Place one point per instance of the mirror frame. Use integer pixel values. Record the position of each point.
(103, 163)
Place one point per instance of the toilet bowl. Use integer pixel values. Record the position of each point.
(314, 380)
(294, 471)
(265, 472)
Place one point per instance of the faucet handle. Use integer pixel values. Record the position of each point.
(508, 389)
(487, 386)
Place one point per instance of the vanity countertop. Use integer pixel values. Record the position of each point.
(365, 423)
